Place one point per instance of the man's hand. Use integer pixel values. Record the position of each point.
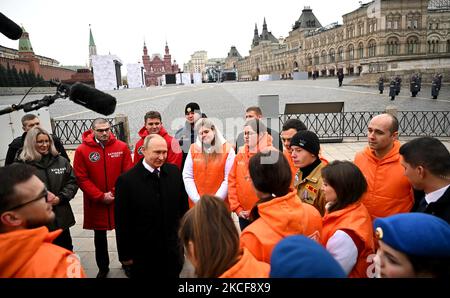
(108, 198)
(52, 199)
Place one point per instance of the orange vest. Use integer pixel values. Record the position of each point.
(247, 267)
(279, 218)
(355, 218)
(388, 190)
(241, 194)
(208, 173)
(30, 253)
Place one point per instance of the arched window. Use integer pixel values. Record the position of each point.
(360, 50)
(372, 48)
(393, 46)
(340, 54)
(412, 45)
(433, 46)
(448, 46)
(316, 58)
(323, 57)
(309, 59)
(332, 56)
(351, 52)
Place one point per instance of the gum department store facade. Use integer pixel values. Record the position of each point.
(393, 36)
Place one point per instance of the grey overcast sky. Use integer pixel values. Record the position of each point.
(59, 29)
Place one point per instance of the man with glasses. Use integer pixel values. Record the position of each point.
(99, 160)
(25, 243)
(28, 122)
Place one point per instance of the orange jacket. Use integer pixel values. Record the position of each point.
(208, 174)
(355, 218)
(279, 218)
(241, 195)
(30, 253)
(247, 267)
(389, 191)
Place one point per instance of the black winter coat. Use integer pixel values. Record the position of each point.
(148, 209)
(58, 176)
(440, 208)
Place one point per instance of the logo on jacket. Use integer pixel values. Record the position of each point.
(139, 151)
(94, 156)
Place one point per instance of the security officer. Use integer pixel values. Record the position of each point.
(392, 88)
(381, 85)
(414, 85)
(398, 85)
(436, 86)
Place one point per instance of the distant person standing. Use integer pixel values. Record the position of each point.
(414, 85)
(392, 89)
(436, 85)
(153, 124)
(398, 85)
(381, 85)
(340, 77)
(389, 191)
(99, 161)
(28, 122)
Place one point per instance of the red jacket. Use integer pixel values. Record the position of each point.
(174, 153)
(31, 254)
(97, 170)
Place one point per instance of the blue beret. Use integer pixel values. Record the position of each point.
(416, 234)
(301, 257)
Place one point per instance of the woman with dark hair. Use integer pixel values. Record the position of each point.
(211, 243)
(241, 194)
(412, 245)
(279, 212)
(347, 227)
(58, 176)
(208, 163)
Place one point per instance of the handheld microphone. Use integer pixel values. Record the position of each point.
(9, 28)
(92, 99)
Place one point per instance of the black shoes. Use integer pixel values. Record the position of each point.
(103, 273)
(127, 270)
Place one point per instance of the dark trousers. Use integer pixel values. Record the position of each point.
(243, 223)
(101, 249)
(64, 240)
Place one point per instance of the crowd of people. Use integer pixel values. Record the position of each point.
(386, 214)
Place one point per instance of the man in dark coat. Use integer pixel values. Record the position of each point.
(340, 77)
(427, 167)
(28, 122)
(150, 201)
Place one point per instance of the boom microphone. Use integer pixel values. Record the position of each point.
(92, 99)
(9, 28)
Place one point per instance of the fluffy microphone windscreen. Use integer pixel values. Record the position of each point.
(93, 99)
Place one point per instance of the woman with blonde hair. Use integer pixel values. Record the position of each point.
(208, 163)
(211, 242)
(58, 176)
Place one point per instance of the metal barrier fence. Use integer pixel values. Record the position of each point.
(333, 127)
(70, 131)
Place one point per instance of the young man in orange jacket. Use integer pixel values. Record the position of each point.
(25, 242)
(389, 192)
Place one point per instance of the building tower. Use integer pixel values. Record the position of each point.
(255, 37)
(92, 47)
(26, 52)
